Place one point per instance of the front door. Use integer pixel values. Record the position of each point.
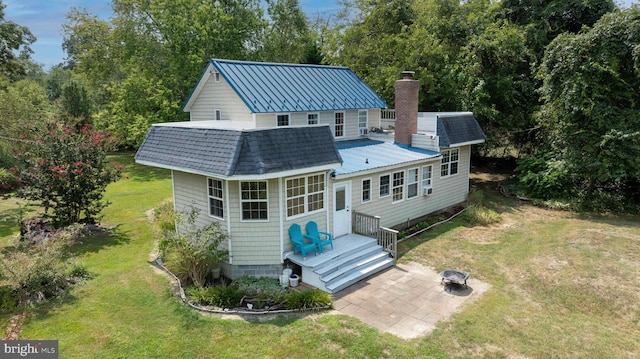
(341, 208)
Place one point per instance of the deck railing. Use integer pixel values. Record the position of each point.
(369, 226)
(387, 114)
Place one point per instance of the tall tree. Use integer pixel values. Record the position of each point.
(13, 39)
(591, 110)
(287, 37)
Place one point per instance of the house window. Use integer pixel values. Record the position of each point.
(426, 177)
(366, 190)
(312, 118)
(412, 183)
(362, 123)
(305, 194)
(282, 120)
(218, 115)
(449, 164)
(253, 200)
(216, 76)
(384, 186)
(398, 186)
(339, 124)
(216, 200)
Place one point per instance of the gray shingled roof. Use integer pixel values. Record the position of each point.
(228, 153)
(459, 129)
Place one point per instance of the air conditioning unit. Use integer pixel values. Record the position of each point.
(364, 131)
(427, 191)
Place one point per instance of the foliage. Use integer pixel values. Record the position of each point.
(8, 180)
(191, 250)
(479, 215)
(66, 171)
(544, 179)
(164, 216)
(286, 38)
(76, 103)
(35, 273)
(308, 299)
(14, 47)
(260, 287)
(590, 114)
(221, 296)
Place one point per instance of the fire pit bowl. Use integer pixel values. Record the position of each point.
(454, 276)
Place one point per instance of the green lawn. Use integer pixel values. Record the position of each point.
(563, 285)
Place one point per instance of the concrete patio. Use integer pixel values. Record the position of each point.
(407, 300)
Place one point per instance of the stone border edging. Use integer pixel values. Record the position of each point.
(158, 263)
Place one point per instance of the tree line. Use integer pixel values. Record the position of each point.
(553, 83)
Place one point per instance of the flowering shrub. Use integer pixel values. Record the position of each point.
(67, 172)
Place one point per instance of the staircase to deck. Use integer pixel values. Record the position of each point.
(353, 258)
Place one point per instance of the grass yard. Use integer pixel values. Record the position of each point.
(563, 285)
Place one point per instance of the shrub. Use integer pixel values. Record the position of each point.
(222, 296)
(8, 180)
(34, 274)
(261, 288)
(164, 216)
(66, 171)
(478, 215)
(190, 250)
(308, 299)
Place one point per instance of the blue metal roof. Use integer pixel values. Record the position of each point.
(363, 155)
(274, 87)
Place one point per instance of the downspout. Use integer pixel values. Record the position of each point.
(226, 201)
(329, 190)
(281, 218)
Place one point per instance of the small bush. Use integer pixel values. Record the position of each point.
(164, 216)
(79, 270)
(479, 215)
(307, 299)
(8, 300)
(222, 296)
(8, 180)
(35, 274)
(261, 288)
(192, 250)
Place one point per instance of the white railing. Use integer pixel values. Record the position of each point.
(369, 226)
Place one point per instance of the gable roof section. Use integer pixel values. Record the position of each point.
(274, 87)
(228, 153)
(459, 130)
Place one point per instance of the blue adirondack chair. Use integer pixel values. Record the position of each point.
(320, 238)
(301, 243)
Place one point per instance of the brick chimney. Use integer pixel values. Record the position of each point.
(406, 108)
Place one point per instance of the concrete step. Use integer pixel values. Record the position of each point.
(358, 262)
(345, 259)
(359, 274)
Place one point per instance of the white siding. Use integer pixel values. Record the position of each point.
(252, 243)
(447, 192)
(219, 95)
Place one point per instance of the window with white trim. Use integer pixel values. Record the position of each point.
(449, 164)
(412, 183)
(216, 197)
(312, 118)
(282, 119)
(366, 190)
(216, 76)
(427, 174)
(339, 124)
(384, 185)
(397, 186)
(218, 115)
(305, 194)
(254, 201)
(362, 123)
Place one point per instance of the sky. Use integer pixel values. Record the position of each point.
(44, 18)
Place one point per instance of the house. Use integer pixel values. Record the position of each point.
(271, 145)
